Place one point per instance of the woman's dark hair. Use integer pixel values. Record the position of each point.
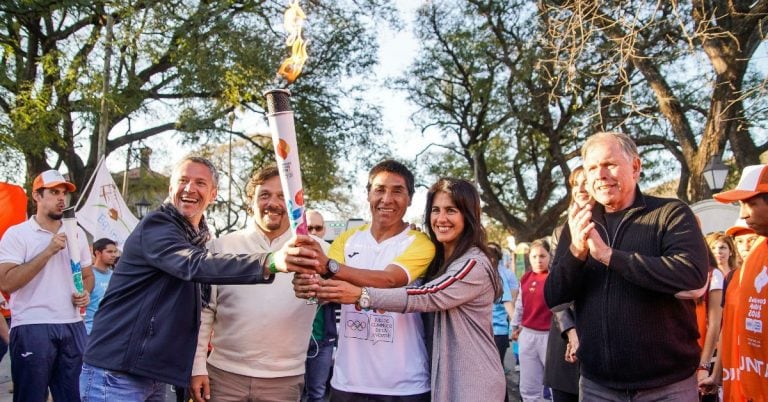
(467, 200)
(496, 254)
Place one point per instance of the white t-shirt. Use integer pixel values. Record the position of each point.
(47, 298)
(716, 283)
(382, 353)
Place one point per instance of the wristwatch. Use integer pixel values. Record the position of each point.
(704, 366)
(331, 268)
(365, 299)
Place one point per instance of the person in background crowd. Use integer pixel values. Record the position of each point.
(381, 356)
(104, 256)
(633, 261)
(4, 332)
(743, 354)
(561, 371)
(47, 332)
(504, 308)
(522, 264)
(324, 333)
(531, 322)
(709, 309)
(724, 250)
(462, 285)
(743, 237)
(145, 331)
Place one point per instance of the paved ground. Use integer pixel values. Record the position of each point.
(7, 396)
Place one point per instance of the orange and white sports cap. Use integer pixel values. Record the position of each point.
(51, 178)
(754, 180)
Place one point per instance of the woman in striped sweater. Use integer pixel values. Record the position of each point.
(461, 287)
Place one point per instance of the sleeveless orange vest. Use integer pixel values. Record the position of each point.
(745, 330)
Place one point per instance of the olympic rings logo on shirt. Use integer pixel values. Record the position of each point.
(357, 325)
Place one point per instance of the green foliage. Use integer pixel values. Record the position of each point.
(180, 67)
(481, 83)
(512, 89)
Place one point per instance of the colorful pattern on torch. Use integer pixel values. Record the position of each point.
(77, 276)
(283, 132)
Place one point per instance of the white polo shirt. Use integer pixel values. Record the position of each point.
(47, 298)
(382, 353)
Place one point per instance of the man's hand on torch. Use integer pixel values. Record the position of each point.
(305, 285)
(299, 255)
(81, 299)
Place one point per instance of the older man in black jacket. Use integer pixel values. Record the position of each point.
(145, 332)
(631, 264)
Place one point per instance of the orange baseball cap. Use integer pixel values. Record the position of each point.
(754, 180)
(51, 178)
(739, 228)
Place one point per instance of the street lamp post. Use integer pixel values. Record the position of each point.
(142, 207)
(715, 173)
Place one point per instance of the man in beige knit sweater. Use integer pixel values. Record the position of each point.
(259, 338)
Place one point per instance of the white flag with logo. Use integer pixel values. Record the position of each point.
(104, 213)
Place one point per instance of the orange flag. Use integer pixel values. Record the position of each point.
(14, 202)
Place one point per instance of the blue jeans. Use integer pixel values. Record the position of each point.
(681, 391)
(318, 369)
(100, 385)
(47, 356)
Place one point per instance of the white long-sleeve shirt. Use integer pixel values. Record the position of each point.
(256, 330)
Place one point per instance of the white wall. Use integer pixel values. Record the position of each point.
(715, 216)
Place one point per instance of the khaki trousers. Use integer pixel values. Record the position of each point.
(231, 387)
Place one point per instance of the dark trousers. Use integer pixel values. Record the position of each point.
(47, 356)
(341, 396)
(502, 344)
(562, 396)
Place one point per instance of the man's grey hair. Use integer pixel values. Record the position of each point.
(202, 161)
(627, 145)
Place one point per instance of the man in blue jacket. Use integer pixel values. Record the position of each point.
(145, 332)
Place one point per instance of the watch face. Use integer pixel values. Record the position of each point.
(365, 301)
(333, 266)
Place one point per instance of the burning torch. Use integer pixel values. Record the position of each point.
(73, 245)
(280, 118)
(281, 123)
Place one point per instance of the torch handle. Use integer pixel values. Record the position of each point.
(73, 246)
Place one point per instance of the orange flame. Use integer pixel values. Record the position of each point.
(293, 21)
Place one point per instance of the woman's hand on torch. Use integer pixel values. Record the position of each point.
(338, 291)
(299, 255)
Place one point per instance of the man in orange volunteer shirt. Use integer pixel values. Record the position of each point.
(744, 339)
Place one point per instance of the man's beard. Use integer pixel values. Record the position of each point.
(55, 216)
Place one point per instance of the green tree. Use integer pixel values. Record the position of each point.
(481, 84)
(179, 66)
(514, 87)
(650, 57)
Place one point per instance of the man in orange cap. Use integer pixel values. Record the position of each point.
(744, 337)
(47, 332)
